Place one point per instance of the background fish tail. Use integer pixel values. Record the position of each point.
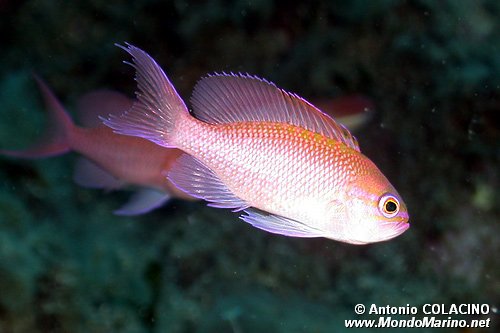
(54, 141)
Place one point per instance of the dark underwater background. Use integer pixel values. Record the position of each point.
(432, 68)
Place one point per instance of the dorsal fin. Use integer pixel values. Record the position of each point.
(225, 98)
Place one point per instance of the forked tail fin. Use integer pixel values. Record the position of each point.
(54, 141)
(158, 109)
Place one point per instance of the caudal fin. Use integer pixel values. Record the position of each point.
(54, 141)
(158, 109)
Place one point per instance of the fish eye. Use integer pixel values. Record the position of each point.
(388, 205)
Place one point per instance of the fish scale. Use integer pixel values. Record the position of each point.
(254, 151)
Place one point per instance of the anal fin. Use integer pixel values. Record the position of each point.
(277, 224)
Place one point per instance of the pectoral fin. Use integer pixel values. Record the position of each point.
(197, 180)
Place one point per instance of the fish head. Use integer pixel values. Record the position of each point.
(373, 210)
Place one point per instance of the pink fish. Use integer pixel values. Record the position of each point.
(253, 147)
(111, 160)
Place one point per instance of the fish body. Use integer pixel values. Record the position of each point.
(111, 161)
(254, 147)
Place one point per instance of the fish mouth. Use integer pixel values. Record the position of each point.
(393, 229)
(383, 232)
